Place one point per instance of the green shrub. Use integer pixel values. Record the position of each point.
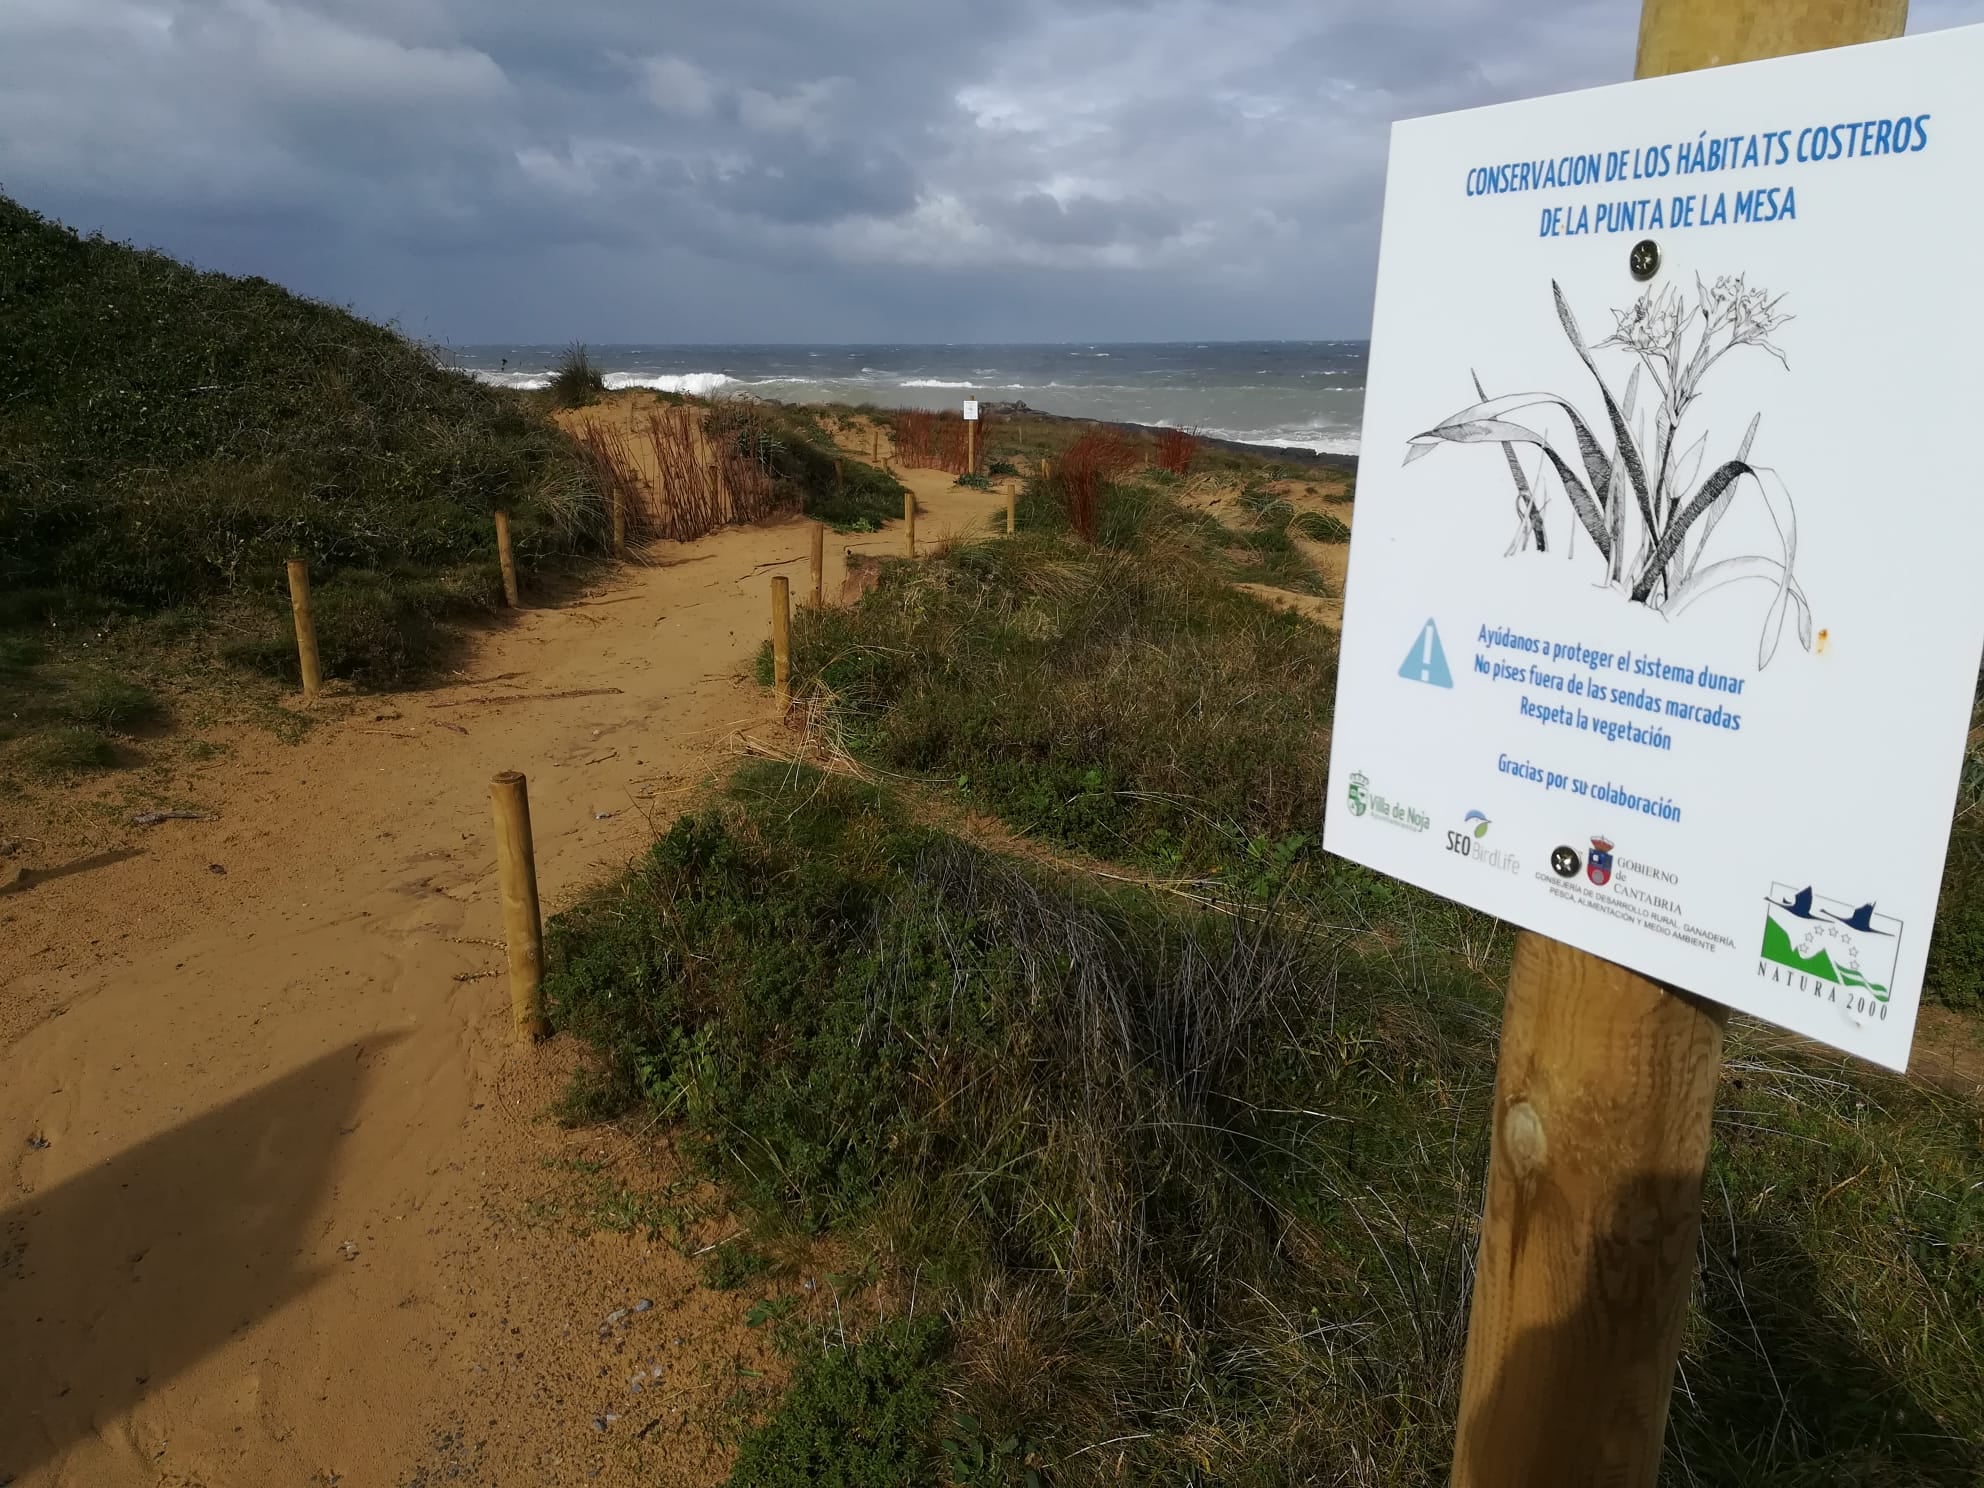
(63, 752)
(856, 1416)
(975, 481)
(734, 1266)
(997, 468)
(112, 704)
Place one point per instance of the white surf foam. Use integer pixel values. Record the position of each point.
(1317, 441)
(694, 384)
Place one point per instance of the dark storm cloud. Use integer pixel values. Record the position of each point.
(773, 169)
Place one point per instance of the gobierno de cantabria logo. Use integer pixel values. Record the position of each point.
(1843, 952)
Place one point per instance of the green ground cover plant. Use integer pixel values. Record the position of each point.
(1203, 1186)
(1122, 699)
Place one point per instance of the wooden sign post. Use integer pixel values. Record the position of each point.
(971, 436)
(817, 564)
(1605, 1083)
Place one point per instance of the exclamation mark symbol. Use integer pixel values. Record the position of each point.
(1427, 660)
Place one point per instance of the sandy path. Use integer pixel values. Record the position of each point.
(273, 1176)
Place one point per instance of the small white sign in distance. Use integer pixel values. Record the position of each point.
(971, 408)
(1666, 593)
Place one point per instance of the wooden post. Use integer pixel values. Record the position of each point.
(1604, 1091)
(1605, 1084)
(971, 446)
(782, 641)
(306, 628)
(523, 926)
(508, 562)
(1012, 508)
(818, 567)
(1686, 35)
(909, 520)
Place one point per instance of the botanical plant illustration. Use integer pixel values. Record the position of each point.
(1636, 498)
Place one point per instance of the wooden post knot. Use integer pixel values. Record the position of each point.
(1523, 1140)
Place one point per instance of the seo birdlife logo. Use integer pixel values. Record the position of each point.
(1468, 842)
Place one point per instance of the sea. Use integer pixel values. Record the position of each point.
(1290, 394)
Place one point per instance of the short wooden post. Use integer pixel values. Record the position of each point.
(507, 560)
(306, 628)
(619, 520)
(971, 446)
(909, 521)
(782, 643)
(1012, 507)
(1605, 1083)
(817, 569)
(523, 925)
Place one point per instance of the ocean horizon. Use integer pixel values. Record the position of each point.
(1288, 394)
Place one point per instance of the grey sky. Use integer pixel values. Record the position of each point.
(774, 170)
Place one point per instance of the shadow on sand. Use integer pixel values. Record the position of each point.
(119, 1278)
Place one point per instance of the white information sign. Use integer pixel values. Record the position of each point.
(971, 408)
(1667, 588)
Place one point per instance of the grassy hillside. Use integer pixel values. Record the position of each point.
(168, 437)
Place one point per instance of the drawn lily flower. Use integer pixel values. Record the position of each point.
(1637, 498)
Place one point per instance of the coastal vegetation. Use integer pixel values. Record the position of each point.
(1145, 1140)
(169, 438)
(576, 381)
(1156, 1134)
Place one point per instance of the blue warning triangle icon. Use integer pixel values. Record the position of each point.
(1427, 661)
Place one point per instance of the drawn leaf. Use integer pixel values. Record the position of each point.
(1484, 424)
(1715, 512)
(1628, 450)
(1725, 476)
(1739, 570)
(1529, 516)
(1689, 465)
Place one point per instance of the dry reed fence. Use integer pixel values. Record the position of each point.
(688, 470)
(929, 441)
